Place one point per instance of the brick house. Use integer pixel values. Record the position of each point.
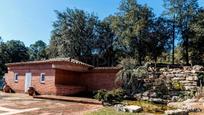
(62, 76)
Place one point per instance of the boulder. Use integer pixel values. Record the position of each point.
(158, 100)
(190, 101)
(191, 78)
(152, 94)
(175, 104)
(178, 78)
(175, 98)
(191, 108)
(190, 88)
(133, 108)
(198, 68)
(176, 112)
(201, 99)
(119, 107)
(138, 96)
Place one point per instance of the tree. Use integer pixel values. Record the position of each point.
(105, 42)
(131, 24)
(197, 41)
(37, 51)
(182, 13)
(3, 58)
(73, 34)
(16, 51)
(158, 38)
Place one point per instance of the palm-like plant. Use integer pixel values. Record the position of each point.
(131, 77)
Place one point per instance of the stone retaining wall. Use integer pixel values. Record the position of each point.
(186, 75)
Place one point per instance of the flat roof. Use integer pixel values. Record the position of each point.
(54, 60)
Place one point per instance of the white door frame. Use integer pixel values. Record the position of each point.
(28, 81)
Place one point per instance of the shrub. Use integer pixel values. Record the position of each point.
(161, 88)
(200, 79)
(176, 85)
(110, 97)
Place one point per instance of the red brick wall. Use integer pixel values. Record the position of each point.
(68, 90)
(64, 77)
(99, 79)
(47, 88)
(61, 82)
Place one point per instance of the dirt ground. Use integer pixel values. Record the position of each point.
(22, 104)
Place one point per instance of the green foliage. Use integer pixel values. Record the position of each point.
(111, 97)
(149, 106)
(200, 79)
(109, 111)
(161, 88)
(80, 35)
(16, 51)
(37, 51)
(197, 41)
(182, 12)
(131, 77)
(176, 85)
(73, 33)
(12, 51)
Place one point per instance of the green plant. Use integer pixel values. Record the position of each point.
(131, 77)
(161, 88)
(110, 97)
(200, 79)
(176, 85)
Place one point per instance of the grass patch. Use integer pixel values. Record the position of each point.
(148, 107)
(110, 111)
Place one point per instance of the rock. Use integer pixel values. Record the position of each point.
(180, 75)
(186, 68)
(190, 101)
(133, 108)
(191, 78)
(138, 96)
(191, 108)
(119, 107)
(145, 94)
(176, 104)
(176, 112)
(201, 99)
(175, 98)
(198, 68)
(153, 94)
(157, 100)
(145, 98)
(178, 78)
(189, 88)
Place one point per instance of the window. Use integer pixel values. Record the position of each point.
(16, 77)
(42, 78)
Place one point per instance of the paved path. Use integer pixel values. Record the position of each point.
(22, 104)
(8, 111)
(70, 99)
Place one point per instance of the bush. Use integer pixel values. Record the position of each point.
(176, 85)
(161, 88)
(200, 79)
(111, 97)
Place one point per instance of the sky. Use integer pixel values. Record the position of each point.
(31, 20)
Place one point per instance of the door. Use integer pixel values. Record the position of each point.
(28, 79)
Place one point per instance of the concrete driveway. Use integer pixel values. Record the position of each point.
(22, 104)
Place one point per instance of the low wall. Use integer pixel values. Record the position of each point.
(100, 78)
(187, 76)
